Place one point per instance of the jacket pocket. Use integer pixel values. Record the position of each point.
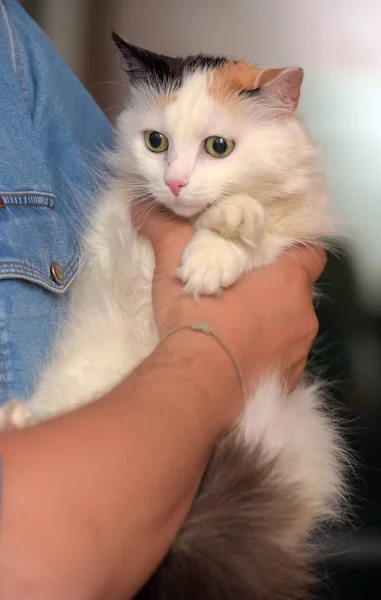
(36, 244)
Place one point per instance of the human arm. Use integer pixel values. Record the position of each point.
(93, 499)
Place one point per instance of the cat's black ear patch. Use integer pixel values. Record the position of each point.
(160, 70)
(140, 64)
(250, 93)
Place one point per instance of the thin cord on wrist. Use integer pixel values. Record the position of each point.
(200, 327)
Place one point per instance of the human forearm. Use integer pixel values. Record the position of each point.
(97, 518)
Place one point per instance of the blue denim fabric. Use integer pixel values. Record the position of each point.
(50, 129)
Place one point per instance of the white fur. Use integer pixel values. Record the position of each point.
(262, 198)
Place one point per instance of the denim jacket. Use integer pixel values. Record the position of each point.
(50, 129)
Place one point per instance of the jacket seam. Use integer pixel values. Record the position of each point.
(3, 375)
(17, 60)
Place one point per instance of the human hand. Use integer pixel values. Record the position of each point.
(267, 319)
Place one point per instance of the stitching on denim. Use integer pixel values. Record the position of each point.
(29, 205)
(47, 199)
(10, 269)
(28, 200)
(17, 60)
(28, 193)
(44, 283)
(18, 266)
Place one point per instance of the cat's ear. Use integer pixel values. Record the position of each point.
(282, 85)
(140, 64)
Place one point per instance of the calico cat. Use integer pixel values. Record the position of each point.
(216, 141)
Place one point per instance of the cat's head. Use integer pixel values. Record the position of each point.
(199, 128)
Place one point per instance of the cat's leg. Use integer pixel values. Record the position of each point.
(238, 218)
(210, 263)
(232, 238)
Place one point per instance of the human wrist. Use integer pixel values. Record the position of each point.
(201, 366)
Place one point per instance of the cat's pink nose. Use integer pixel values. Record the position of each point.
(175, 185)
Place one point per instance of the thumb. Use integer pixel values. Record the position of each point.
(167, 233)
(313, 258)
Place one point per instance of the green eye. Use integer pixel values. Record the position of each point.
(218, 147)
(156, 141)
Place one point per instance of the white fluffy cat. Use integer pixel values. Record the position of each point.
(218, 142)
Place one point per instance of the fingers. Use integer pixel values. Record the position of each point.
(312, 258)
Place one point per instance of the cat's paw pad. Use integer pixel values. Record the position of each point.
(241, 218)
(16, 415)
(210, 263)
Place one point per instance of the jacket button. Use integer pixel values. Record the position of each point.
(57, 272)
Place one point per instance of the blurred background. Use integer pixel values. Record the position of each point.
(339, 46)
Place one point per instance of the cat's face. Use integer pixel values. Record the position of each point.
(198, 129)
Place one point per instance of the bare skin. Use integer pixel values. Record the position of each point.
(92, 500)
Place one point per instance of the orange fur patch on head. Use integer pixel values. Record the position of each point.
(225, 82)
(164, 101)
(233, 77)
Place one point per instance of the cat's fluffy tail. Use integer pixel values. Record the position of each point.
(240, 540)
(270, 484)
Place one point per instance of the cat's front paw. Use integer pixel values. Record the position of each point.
(210, 263)
(16, 415)
(238, 217)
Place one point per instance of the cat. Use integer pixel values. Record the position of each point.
(216, 141)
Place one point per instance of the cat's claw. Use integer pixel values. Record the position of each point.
(210, 263)
(239, 218)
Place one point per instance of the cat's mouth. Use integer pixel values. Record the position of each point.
(186, 210)
(181, 208)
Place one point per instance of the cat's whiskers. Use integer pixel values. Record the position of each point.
(142, 209)
(144, 213)
(135, 186)
(120, 83)
(107, 110)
